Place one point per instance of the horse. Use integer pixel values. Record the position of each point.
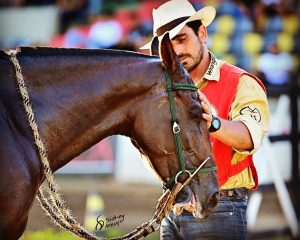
(79, 97)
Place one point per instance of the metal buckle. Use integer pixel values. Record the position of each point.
(178, 174)
(176, 128)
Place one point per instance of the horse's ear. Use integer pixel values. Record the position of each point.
(168, 56)
(154, 46)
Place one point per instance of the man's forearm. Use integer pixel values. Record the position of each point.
(234, 134)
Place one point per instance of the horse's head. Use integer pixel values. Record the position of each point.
(154, 137)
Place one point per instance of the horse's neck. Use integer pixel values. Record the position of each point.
(81, 98)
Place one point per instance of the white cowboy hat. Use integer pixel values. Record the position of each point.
(173, 15)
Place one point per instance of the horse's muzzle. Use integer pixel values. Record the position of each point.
(204, 211)
(186, 200)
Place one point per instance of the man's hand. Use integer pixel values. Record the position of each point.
(233, 133)
(206, 107)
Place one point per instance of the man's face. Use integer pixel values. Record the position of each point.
(188, 47)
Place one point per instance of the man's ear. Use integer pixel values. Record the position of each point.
(202, 33)
(168, 56)
(154, 46)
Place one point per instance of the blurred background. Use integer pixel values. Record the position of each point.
(112, 179)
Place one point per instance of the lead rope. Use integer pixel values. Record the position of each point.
(54, 206)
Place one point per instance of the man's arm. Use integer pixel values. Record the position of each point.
(248, 119)
(233, 133)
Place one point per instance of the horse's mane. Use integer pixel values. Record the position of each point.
(52, 51)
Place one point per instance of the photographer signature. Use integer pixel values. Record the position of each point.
(104, 223)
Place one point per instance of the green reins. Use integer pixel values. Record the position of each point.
(176, 132)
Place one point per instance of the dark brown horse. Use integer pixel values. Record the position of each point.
(82, 96)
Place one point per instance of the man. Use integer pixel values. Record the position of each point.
(236, 110)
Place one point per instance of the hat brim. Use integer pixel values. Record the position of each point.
(205, 14)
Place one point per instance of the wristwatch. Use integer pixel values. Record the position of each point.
(215, 124)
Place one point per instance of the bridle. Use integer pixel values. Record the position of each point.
(176, 133)
(172, 187)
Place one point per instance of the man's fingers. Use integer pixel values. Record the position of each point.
(206, 117)
(206, 107)
(203, 100)
(202, 96)
(205, 104)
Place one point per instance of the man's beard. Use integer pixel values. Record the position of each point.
(196, 60)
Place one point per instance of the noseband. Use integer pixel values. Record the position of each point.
(176, 133)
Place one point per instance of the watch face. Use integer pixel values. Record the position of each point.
(216, 123)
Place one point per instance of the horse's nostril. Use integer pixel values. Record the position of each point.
(213, 201)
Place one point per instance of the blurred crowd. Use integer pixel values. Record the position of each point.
(261, 36)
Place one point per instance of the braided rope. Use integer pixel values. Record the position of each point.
(54, 207)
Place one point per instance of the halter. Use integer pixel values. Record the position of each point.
(176, 133)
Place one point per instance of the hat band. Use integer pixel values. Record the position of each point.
(167, 27)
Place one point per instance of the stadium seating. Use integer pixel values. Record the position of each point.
(291, 24)
(219, 44)
(285, 42)
(225, 24)
(252, 43)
